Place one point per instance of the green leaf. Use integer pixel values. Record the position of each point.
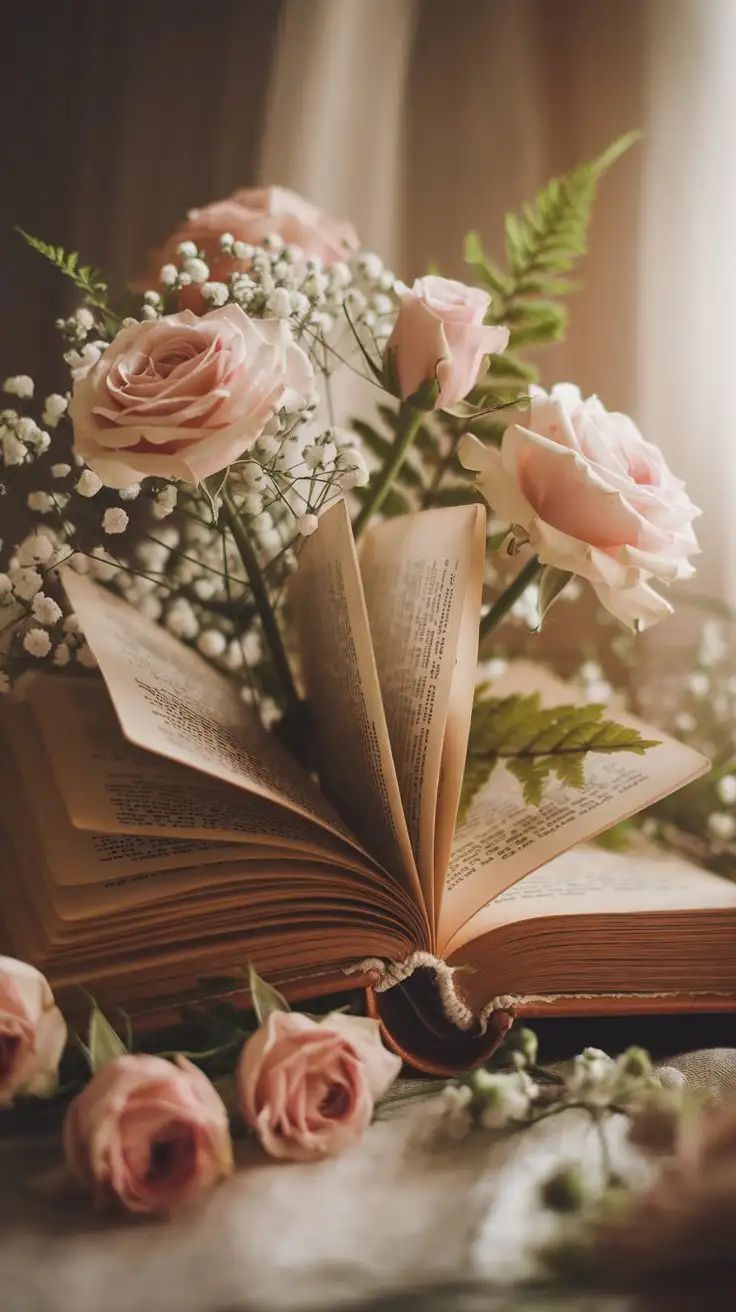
(264, 997)
(538, 742)
(103, 1042)
(88, 280)
(552, 582)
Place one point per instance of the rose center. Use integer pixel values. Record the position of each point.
(335, 1102)
(171, 1155)
(9, 1047)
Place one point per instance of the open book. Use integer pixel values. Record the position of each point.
(155, 834)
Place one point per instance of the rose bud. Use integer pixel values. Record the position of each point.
(32, 1032)
(308, 1088)
(151, 1134)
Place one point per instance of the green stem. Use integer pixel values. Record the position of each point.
(409, 421)
(502, 605)
(261, 601)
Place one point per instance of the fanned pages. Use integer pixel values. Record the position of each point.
(153, 833)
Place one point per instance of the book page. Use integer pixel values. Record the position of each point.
(421, 573)
(171, 702)
(502, 839)
(354, 757)
(592, 881)
(112, 788)
(75, 856)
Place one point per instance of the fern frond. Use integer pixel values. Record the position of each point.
(538, 742)
(86, 279)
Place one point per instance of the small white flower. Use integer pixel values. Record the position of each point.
(37, 643)
(62, 654)
(216, 293)
(152, 297)
(722, 825)
(86, 657)
(270, 712)
(279, 303)
(71, 624)
(726, 789)
(130, 492)
(165, 502)
(6, 588)
(149, 313)
(242, 251)
(307, 525)
(491, 670)
(40, 502)
(35, 549)
(197, 269)
(187, 250)
(685, 722)
(252, 503)
(212, 643)
(4, 683)
(181, 619)
(185, 279)
(252, 475)
(14, 452)
(506, 1098)
(227, 240)
(699, 684)
(169, 274)
(88, 484)
(19, 385)
(299, 304)
(370, 265)
(354, 478)
(590, 671)
(60, 471)
(85, 318)
(115, 520)
(313, 456)
(45, 609)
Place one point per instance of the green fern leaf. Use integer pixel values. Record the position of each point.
(537, 742)
(87, 280)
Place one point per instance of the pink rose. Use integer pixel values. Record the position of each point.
(439, 333)
(308, 1088)
(183, 397)
(148, 1133)
(32, 1032)
(250, 215)
(593, 498)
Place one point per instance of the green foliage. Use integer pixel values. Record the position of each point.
(538, 742)
(87, 280)
(543, 244)
(264, 997)
(103, 1042)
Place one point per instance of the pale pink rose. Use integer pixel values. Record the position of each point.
(439, 333)
(183, 397)
(593, 498)
(148, 1133)
(250, 215)
(32, 1032)
(308, 1088)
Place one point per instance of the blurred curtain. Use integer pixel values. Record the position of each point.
(419, 119)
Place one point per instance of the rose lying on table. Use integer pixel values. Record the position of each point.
(153, 1134)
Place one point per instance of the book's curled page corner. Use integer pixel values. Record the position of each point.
(169, 701)
(423, 1016)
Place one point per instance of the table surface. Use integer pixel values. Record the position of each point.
(405, 1220)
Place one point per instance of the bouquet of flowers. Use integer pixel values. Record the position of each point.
(196, 445)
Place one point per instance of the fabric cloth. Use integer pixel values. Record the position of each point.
(404, 1210)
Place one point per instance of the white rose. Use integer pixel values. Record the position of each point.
(593, 498)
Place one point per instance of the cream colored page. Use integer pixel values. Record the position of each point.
(170, 701)
(502, 839)
(111, 787)
(76, 857)
(356, 766)
(591, 881)
(416, 574)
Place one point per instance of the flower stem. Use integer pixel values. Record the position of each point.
(262, 602)
(409, 421)
(502, 605)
